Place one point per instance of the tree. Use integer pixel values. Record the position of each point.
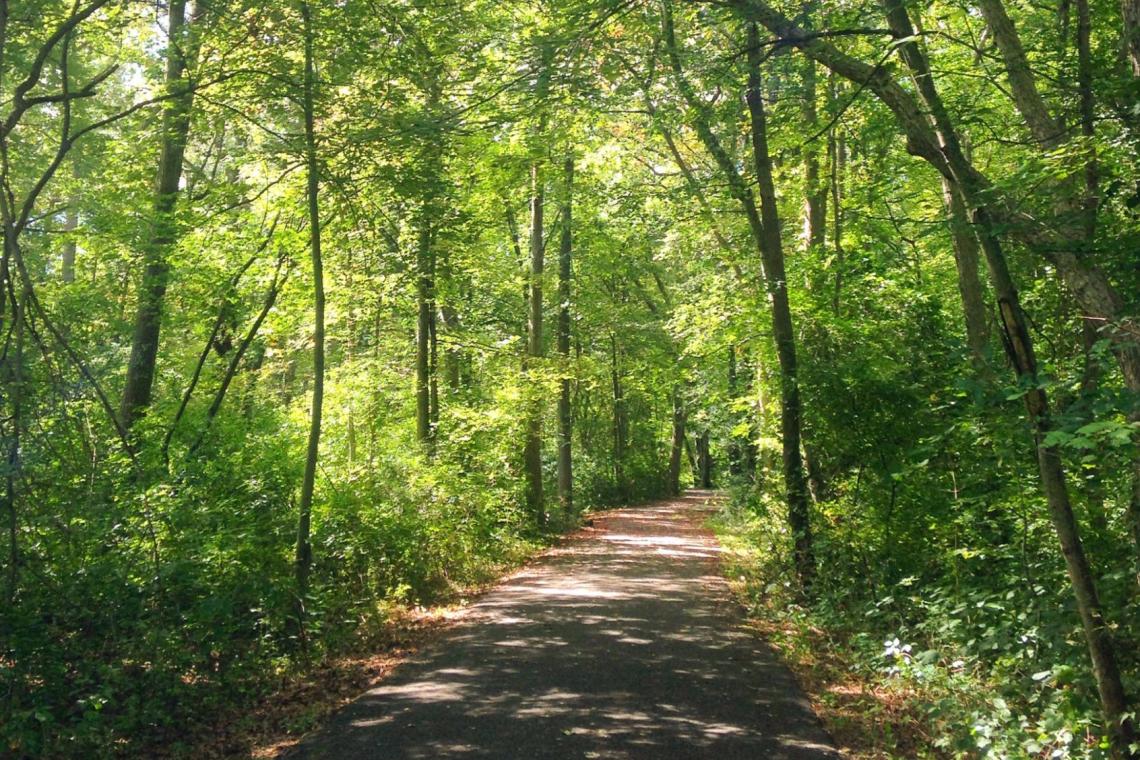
(181, 53)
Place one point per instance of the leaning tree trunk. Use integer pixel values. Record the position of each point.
(180, 54)
(772, 252)
(304, 553)
(969, 283)
(1019, 347)
(565, 419)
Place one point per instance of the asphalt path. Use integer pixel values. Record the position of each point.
(622, 643)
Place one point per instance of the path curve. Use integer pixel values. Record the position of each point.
(623, 643)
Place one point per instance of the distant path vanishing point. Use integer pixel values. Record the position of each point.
(622, 643)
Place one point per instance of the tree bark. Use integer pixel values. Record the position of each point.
(453, 358)
(772, 252)
(815, 190)
(565, 419)
(620, 422)
(704, 460)
(304, 553)
(674, 482)
(425, 285)
(837, 153)
(1044, 128)
(180, 55)
(532, 449)
(969, 283)
(532, 453)
(735, 454)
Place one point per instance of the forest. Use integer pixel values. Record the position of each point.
(314, 311)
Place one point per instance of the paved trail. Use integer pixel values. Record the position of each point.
(623, 643)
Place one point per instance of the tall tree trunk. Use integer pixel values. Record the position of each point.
(15, 387)
(304, 553)
(1022, 84)
(815, 190)
(766, 237)
(969, 283)
(425, 284)
(817, 484)
(532, 453)
(771, 250)
(180, 54)
(704, 460)
(837, 153)
(620, 422)
(735, 453)
(532, 450)
(751, 453)
(433, 363)
(565, 419)
(674, 482)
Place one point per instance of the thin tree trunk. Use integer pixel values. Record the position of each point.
(735, 455)
(816, 482)
(620, 425)
(304, 551)
(1023, 86)
(532, 450)
(180, 55)
(1088, 118)
(15, 384)
(524, 265)
(751, 455)
(771, 249)
(433, 362)
(969, 283)
(837, 150)
(532, 453)
(565, 419)
(815, 191)
(424, 287)
(694, 462)
(704, 460)
(678, 444)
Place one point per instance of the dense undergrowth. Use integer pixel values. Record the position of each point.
(184, 612)
(952, 645)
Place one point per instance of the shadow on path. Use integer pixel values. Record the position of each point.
(623, 643)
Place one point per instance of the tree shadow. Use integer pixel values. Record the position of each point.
(624, 643)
